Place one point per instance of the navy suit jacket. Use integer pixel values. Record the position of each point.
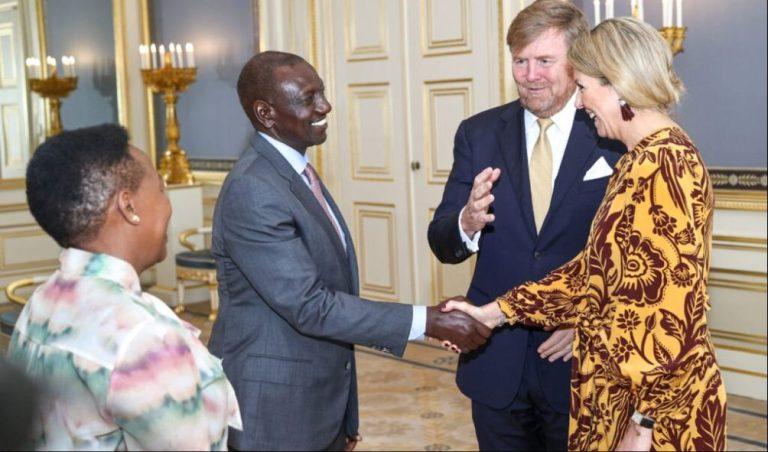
(511, 252)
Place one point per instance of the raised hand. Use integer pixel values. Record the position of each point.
(475, 214)
(456, 327)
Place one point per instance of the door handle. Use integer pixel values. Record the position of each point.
(415, 165)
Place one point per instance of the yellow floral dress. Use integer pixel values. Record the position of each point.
(637, 296)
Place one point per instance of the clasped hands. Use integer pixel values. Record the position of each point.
(557, 346)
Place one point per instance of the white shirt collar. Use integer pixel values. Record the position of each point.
(296, 159)
(563, 119)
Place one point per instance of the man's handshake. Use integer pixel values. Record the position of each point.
(456, 327)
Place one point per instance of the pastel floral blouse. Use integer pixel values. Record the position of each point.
(120, 369)
(637, 296)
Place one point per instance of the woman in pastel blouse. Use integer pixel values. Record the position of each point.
(644, 369)
(121, 370)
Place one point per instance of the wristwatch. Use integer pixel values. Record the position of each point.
(641, 420)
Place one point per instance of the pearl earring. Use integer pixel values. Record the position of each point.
(135, 218)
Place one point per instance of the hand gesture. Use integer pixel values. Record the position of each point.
(457, 328)
(475, 214)
(558, 345)
(489, 315)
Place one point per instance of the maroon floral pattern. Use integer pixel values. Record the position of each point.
(637, 295)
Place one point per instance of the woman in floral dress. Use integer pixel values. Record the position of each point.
(121, 370)
(644, 370)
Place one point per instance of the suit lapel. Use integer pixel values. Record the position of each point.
(581, 145)
(510, 137)
(302, 192)
(350, 251)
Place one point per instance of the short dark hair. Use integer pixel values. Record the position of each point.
(72, 177)
(257, 78)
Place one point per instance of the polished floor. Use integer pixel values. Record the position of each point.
(413, 404)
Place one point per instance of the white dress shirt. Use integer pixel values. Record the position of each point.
(298, 162)
(558, 134)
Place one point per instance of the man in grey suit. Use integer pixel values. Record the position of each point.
(288, 277)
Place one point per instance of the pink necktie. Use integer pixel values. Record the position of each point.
(314, 185)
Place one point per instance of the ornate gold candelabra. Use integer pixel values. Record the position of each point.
(675, 37)
(53, 89)
(170, 80)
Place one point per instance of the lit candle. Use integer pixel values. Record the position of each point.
(64, 66)
(161, 51)
(143, 52)
(33, 66)
(72, 66)
(172, 49)
(679, 13)
(641, 11)
(190, 55)
(609, 9)
(664, 13)
(597, 11)
(51, 62)
(179, 55)
(153, 51)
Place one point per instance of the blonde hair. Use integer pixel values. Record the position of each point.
(634, 58)
(542, 15)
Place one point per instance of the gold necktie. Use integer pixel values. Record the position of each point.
(541, 174)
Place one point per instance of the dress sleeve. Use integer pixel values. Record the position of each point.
(658, 335)
(553, 301)
(158, 398)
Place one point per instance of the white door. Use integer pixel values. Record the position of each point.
(405, 73)
(371, 154)
(14, 134)
(453, 74)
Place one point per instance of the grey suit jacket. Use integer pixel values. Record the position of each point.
(289, 309)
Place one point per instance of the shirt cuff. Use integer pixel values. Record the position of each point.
(472, 244)
(419, 322)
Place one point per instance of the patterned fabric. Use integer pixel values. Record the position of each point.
(637, 295)
(121, 370)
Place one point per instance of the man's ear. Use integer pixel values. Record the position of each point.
(264, 114)
(125, 205)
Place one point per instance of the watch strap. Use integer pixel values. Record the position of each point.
(643, 421)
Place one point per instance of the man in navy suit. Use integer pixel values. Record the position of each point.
(524, 200)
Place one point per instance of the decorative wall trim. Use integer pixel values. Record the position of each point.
(434, 89)
(740, 337)
(738, 199)
(13, 184)
(437, 270)
(739, 243)
(751, 373)
(450, 46)
(121, 69)
(212, 164)
(356, 92)
(739, 178)
(210, 177)
(386, 212)
(31, 264)
(16, 207)
(356, 52)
